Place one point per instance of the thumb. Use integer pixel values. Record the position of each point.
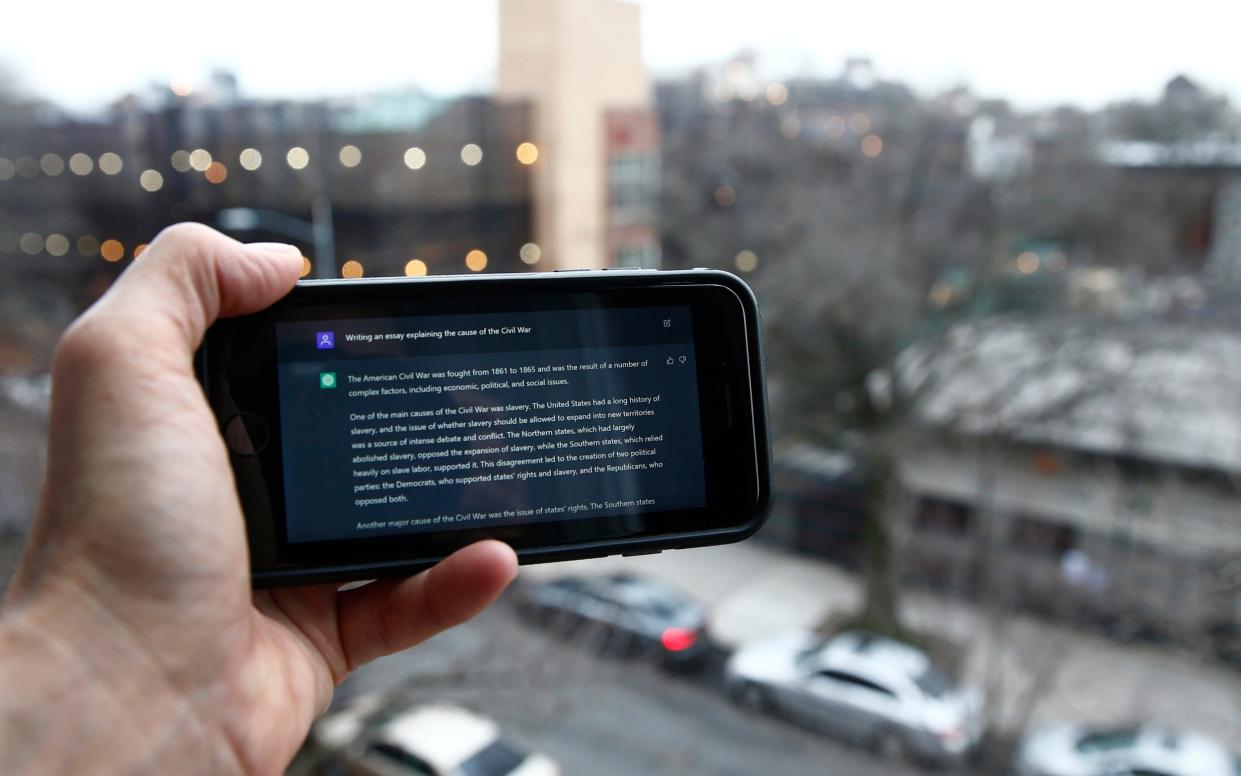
(191, 275)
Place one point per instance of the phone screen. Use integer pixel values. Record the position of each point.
(423, 423)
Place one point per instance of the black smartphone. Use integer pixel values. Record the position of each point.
(374, 426)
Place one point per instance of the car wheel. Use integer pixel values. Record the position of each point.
(889, 746)
(753, 695)
(615, 643)
(564, 624)
(534, 613)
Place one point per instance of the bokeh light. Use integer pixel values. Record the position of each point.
(350, 155)
(112, 250)
(527, 153)
(1027, 263)
(52, 164)
(777, 94)
(250, 159)
(216, 173)
(81, 164)
(530, 253)
(476, 260)
(725, 196)
(139, 249)
(151, 180)
(88, 245)
(200, 159)
(306, 267)
(110, 163)
(859, 123)
(181, 160)
(415, 158)
(941, 294)
(56, 244)
(7, 169)
(31, 243)
(298, 158)
(351, 269)
(746, 261)
(835, 126)
(415, 268)
(471, 154)
(872, 145)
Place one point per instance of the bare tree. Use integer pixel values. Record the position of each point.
(851, 228)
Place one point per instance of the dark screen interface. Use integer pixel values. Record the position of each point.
(429, 423)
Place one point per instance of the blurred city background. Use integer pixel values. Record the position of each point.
(999, 274)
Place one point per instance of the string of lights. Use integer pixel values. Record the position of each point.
(202, 161)
(52, 165)
(112, 250)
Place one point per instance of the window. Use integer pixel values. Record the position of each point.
(402, 756)
(496, 759)
(933, 683)
(853, 680)
(942, 516)
(1042, 536)
(644, 255)
(1107, 740)
(633, 185)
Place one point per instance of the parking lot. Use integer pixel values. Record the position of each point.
(601, 715)
(595, 713)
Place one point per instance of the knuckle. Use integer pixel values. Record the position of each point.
(185, 236)
(84, 346)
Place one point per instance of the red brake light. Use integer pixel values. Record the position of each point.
(678, 639)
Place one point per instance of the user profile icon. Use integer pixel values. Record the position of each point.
(325, 340)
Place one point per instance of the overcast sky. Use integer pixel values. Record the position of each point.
(1088, 52)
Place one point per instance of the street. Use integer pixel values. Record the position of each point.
(600, 715)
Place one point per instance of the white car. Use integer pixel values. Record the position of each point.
(376, 736)
(875, 691)
(1149, 750)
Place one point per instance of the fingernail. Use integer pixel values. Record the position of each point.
(280, 249)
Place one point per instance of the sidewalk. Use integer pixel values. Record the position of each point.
(754, 591)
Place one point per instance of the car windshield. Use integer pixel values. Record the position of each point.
(996, 252)
(1107, 740)
(933, 683)
(651, 598)
(409, 762)
(497, 759)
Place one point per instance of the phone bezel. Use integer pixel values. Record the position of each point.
(732, 415)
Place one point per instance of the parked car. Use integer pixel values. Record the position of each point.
(384, 736)
(623, 613)
(875, 691)
(1078, 750)
(1225, 640)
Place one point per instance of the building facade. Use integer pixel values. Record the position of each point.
(578, 64)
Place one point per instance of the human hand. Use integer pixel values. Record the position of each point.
(130, 638)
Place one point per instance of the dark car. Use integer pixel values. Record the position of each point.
(622, 614)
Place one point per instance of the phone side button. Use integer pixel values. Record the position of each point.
(640, 552)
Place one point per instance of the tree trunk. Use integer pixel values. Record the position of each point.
(881, 607)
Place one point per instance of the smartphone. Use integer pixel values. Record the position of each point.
(374, 426)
